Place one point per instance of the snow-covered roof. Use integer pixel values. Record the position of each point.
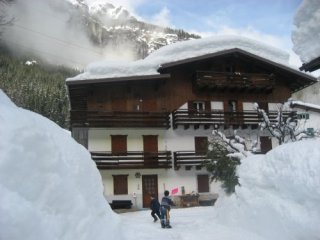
(306, 32)
(180, 51)
(304, 105)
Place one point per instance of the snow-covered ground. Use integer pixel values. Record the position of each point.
(51, 189)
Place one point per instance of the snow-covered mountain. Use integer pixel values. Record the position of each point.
(112, 26)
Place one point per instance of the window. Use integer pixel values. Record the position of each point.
(303, 116)
(199, 106)
(203, 183)
(119, 144)
(120, 184)
(201, 145)
(232, 106)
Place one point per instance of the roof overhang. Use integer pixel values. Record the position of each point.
(306, 107)
(307, 79)
(118, 79)
(311, 66)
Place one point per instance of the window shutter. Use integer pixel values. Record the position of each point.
(119, 144)
(203, 183)
(120, 184)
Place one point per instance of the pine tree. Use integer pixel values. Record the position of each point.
(38, 87)
(222, 167)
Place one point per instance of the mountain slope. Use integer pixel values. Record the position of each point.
(107, 25)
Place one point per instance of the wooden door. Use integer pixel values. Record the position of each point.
(233, 112)
(150, 148)
(264, 106)
(149, 187)
(265, 144)
(118, 99)
(203, 183)
(149, 105)
(201, 145)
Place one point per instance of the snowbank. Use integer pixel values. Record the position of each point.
(306, 34)
(50, 188)
(179, 51)
(279, 197)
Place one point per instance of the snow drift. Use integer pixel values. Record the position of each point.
(279, 194)
(50, 187)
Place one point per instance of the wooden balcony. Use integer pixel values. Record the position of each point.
(215, 119)
(120, 119)
(132, 160)
(226, 81)
(188, 159)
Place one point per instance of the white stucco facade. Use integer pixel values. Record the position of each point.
(178, 139)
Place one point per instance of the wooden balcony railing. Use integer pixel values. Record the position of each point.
(216, 118)
(188, 159)
(120, 119)
(240, 81)
(132, 160)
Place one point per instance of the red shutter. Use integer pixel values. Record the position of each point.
(119, 144)
(203, 183)
(120, 184)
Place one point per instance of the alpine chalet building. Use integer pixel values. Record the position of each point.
(147, 123)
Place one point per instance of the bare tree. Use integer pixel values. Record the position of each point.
(235, 145)
(286, 126)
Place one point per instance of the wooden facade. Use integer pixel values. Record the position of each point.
(154, 101)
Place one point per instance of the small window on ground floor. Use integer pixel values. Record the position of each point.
(120, 184)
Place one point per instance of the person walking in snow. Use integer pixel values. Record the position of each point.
(155, 208)
(165, 207)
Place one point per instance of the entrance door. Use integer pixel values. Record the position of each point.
(265, 144)
(149, 187)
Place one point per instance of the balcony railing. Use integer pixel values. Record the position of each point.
(216, 118)
(120, 119)
(237, 80)
(188, 159)
(132, 160)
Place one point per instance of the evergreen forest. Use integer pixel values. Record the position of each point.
(36, 86)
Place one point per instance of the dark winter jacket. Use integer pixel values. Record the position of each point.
(166, 202)
(154, 204)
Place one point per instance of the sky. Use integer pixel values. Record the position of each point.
(205, 16)
(270, 21)
(40, 25)
(59, 196)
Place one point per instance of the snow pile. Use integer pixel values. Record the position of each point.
(279, 197)
(50, 188)
(306, 34)
(179, 51)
